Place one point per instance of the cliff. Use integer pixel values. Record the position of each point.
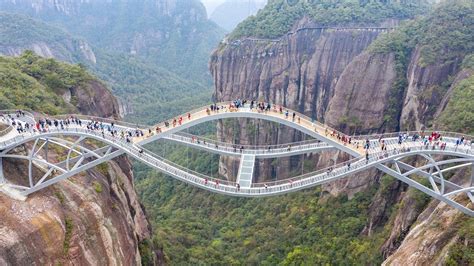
(92, 218)
(302, 72)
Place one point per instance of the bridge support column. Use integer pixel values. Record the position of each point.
(472, 175)
(245, 175)
(2, 177)
(426, 190)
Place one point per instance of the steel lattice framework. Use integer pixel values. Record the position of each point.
(388, 153)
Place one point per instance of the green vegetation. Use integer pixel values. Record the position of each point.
(97, 187)
(68, 224)
(462, 252)
(278, 17)
(19, 31)
(175, 36)
(162, 94)
(459, 113)
(103, 168)
(60, 196)
(442, 38)
(146, 252)
(197, 227)
(32, 82)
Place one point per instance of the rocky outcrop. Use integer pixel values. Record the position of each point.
(361, 94)
(93, 98)
(428, 240)
(301, 71)
(92, 218)
(43, 39)
(425, 90)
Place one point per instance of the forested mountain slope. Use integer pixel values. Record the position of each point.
(146, 92)
(172, 34)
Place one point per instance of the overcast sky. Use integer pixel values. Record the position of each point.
(212, 4)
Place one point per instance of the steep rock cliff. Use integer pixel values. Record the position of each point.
(300, 71)
(425, 90)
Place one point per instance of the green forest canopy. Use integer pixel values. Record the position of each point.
(278, 16)
(35, 83)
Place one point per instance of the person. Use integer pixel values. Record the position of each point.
(238, 187)
(266, 186)
(189, 116)
(367, 156)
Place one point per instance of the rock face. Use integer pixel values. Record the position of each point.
(92, 218)
(436, 230)
(302, 72)
(94, 98)
(74, 223)
(424, 91)
(361, 94)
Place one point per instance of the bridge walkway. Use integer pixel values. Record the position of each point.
(245, 174)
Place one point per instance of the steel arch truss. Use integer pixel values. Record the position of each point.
(74, 156)
(434, 171)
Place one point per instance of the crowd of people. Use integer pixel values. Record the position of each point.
(434, 140)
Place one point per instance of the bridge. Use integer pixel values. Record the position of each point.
(438, 154)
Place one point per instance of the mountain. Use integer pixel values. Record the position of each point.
(94, 217)
(230, 13)
(360, 81)
(18, 33)
(279, 16)
(172, 34)
(146, 92)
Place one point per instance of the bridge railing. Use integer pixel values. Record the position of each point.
(225, 145)
(101, 119)
(410, 134)
(355, 163)
(257, 188)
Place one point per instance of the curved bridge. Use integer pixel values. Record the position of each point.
(386, 152)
